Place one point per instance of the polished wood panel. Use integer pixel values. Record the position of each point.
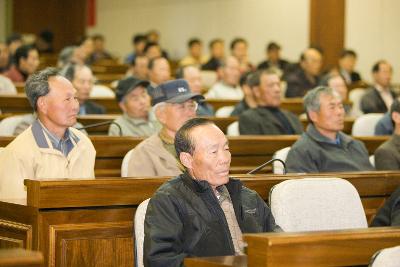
(20, 258)
(325, 248)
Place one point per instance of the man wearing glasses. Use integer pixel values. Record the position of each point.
(173, 104)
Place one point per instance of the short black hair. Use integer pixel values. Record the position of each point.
(137, 38)
(347, 53)
(244, 77)
(22, 52)
(273, 46)
(194, 41)
(183, 141)
(236, 41)
(254, 79)
(215, 41)
(149, 45)
(376, 67)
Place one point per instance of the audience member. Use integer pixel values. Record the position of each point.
(389, 213)
(83, 51)
(195, 56)
(337, 83)
(4, 58)
(347, 63)
(239, 48)
(159, 71)
(134, 102)
(273, 53)
(44, 42)
(67, 56)
(214, 210)
(193, 76)
(268, 118)
(26, 63)
(14, 41)
(50, 148)
(217, 55)
(99, 50)
(139, 67)
(379, 97)
(152, 50)
(138, 43)
(153, 36)
(173, 105)
(248, 100)
(306, 77)
(324, 147)
(82, 79)
(387, 156)
(229, 87)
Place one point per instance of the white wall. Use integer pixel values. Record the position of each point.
(259, 21)
(373, 31)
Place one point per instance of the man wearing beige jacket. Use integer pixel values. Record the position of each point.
(173, 104)
(50, 148)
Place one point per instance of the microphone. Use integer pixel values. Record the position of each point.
(266, 163)
(101, 124)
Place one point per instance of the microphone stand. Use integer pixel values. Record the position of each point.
(101, 124)
(265, 164)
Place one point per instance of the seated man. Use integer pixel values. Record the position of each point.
(387, 156)
(159, 71)
(267, 117)
(379, 98)
(195, 56)
(134, 101)
(50, 148)
(274, 60)
(389, 214)
(323, 147)
(248, 100)
(26, 60)
(202, 212)
(347, 63)
(229, 87)
(217, 54)
(173, 104)
(82, 79)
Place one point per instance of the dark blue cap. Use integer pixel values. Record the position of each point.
(176, 91)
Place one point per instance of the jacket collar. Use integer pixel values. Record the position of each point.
(313, 133)
(40, 138)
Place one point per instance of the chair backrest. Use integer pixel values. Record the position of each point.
(365, 124)
(208, 78)
(233, 129)
(139, 232)
(314, 204)
(388, 257)
(372, 160)
(8, 125)
(224, 112)
(99, 90)
(355, 96)
(280, 154)
(125, 162)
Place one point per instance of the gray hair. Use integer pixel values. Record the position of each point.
(311, 100)
(37, 85)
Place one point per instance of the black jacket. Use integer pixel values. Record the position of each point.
(184, 219)
(389, 214)
(372, 102)
(94, 108)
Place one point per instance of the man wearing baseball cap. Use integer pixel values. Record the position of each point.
(134, 101)
(173, 105)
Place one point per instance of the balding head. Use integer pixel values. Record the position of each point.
(311, 61)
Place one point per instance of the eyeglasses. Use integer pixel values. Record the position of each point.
(189, 105)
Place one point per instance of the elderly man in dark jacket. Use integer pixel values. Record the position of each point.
(202, 212)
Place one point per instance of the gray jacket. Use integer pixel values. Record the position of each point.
(387, 156)
(314, 153)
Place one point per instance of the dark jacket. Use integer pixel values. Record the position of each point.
(240, 108)
(298, 84)
(282, 65)
(314, 153)
(389, 214)
(387, 156)
(384, 125)
(261, 120)
(372, 102)
(94, 108)
(184, 219)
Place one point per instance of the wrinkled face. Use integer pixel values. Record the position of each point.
(268, 93)
(193, 77)
(384, 76)
(312, 63)
(59, 106)
(173, 116)
(231, 72)
(337, 83)
(348, 63)
(141, 69)
(4, 56)
(153, 52)
(196, 50)
(330, 117)
(218, 50)
(240, 50)
(137, 103)
(83, 82)
(31, 63)
(161, 71)
(211, 157)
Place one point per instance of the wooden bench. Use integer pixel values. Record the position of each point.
(89, 222)
(19, 257)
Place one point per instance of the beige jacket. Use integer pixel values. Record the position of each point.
(150, 158)
(31, 155)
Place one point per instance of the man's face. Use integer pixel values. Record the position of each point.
(218, 50)
(312, 63)
(173, 116)
(268, 93)
(141, 69)
(161, 71)
(137, 103)
(330, 117)
(98, 45)
(193, 77)
(348, 63)
(211, 157)
(240, 50)
(153, 52)
(337, 83)
(59, 106)
(83, 82)
(273, 55)
(231, 72)
(384, 76)
(195, 50)
(139, 47)
(31, 63)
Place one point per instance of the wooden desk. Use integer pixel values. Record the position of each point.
(224, 261)
(325, 248)
(20, 258)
